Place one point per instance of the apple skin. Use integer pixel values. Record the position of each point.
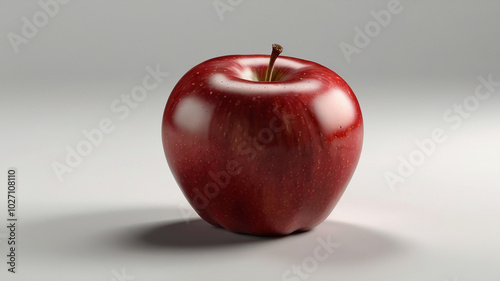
(262, 158)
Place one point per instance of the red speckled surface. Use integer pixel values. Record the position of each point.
(266, 158)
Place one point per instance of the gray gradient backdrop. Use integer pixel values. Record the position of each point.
(119, 215)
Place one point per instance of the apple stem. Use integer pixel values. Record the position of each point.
(277, 49)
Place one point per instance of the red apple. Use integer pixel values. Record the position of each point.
(262, 155)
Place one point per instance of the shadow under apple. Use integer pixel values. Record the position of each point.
(353, 242)
(191, 234)
(160, 232)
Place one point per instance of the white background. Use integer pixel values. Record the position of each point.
(120, 210)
